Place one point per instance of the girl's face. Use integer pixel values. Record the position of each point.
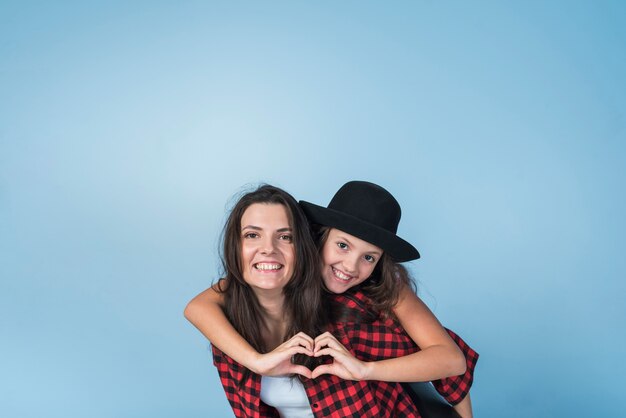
(267, 250)
(347, 261)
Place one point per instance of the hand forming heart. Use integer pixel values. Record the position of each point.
(278, 362)
(344, 364)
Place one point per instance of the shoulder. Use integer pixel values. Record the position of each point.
(353, 307)
(354, 299)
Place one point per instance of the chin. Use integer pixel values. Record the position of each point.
(334, 287)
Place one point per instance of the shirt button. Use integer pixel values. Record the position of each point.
(315, 406)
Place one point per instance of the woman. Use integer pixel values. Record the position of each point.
(358, 210)
(271, 291)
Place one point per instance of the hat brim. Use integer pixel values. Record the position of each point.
(399, 249)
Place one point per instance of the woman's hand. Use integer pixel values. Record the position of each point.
(278, 361)
(344, 364)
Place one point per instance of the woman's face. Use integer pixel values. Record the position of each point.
(267, 250)
(347, 261)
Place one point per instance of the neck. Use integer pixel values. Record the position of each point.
(274, 318)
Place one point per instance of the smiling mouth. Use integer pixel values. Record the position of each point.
(268, 266)
(341, 275)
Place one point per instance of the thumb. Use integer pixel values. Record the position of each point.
(301, 370)
(320, 370)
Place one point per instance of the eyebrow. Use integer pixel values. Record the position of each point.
(258, 228)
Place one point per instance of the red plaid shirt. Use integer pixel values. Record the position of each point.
(332, 396)
(385, 338)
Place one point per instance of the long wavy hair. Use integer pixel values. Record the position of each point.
(303, 294)
(382, 288)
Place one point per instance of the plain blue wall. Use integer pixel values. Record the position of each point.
(125, 128)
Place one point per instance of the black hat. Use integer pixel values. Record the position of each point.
(368, 212)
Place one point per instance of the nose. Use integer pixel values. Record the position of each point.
(267, 245)
(350, 264)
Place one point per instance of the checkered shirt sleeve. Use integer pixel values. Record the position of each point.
(455, 388)
(246, 402)
(385, 338)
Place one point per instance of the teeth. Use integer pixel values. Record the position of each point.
(267, 266)
(340, 275)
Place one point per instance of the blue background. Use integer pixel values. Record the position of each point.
(126, 127)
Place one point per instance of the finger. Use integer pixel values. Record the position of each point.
(295, 342)
(298, 349)
(303, 340)
(327, 336)
(331, 369)
(320, 370)
(320, 342)
(330, 352)
(301, 370)
(324, 335)
(328, 342)
(305, 336)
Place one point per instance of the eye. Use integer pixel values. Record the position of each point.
(251, 235)
(369, 258)
(286, 237)
(342, 245)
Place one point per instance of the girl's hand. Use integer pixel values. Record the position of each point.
(344, 364)
(278, 361)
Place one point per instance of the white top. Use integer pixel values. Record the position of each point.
(287, 395)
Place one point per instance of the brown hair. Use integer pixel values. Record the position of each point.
(303, 293)
(383, 286)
